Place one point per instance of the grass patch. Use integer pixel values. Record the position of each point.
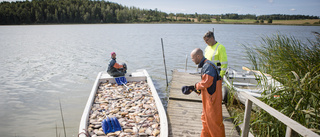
(288, 22)
(238, 21)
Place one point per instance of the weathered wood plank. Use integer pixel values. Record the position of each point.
(246, 120)
(184, 111)
(180, 79)
(184, 120)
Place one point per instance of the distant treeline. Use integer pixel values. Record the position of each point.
(73, 11)
(87, 11)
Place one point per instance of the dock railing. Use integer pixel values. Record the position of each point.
(291, 124)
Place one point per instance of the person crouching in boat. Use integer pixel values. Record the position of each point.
(210, 88)
(114, 69)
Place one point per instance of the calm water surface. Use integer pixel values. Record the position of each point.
(42, 64)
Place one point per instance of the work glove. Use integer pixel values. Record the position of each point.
(124, 65)
(195, 89)
(187, 89)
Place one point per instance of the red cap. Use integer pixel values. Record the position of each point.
(112, 53)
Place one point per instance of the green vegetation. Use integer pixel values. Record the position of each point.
(269, 21)
(238, 21)
(87, 11)
(73, 11)
(296, 66)
(285, 17)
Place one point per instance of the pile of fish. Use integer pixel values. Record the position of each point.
(135, 110)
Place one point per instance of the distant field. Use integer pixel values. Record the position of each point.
(307, 21)
(252, 21)
(236, 21)
(285, 22)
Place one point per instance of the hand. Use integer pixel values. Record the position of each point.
(195, 89)
(124, 65)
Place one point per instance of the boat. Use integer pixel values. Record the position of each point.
(136, 110)
(250, 81)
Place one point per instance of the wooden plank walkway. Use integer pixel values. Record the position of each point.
(184, 111)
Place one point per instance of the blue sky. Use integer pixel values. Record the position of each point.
(258, 7)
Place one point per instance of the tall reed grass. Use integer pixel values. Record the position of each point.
(297, 66)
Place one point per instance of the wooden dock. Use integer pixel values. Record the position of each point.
(184, 111)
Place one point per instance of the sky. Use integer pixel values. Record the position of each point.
(257, 7)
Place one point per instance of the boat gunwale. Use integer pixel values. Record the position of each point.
(85, 116)
(162, 113)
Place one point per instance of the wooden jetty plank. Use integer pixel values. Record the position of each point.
(180, 79)
(184, 118)
(184, 111)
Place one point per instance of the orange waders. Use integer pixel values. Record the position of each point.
(212, 120)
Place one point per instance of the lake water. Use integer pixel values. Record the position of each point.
(42, 64)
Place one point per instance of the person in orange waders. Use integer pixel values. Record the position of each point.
(210, 88)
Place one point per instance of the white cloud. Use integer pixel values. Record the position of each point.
(183, 10)
(292, 9)
(240, 10)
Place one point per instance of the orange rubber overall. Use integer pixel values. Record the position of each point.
(212, 120)
(117, 66)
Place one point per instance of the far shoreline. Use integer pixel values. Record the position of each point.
(308, 22)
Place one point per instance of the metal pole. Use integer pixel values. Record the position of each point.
(186, 63)
(164, 61)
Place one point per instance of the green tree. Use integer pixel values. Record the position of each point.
(171, 15)
(86, 17)
(199, 18)
(56, 15)
(218, 19)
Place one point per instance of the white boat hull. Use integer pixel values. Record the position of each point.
(139, 75)
(252, 82)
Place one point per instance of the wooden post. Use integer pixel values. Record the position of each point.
(186, 63)
(246, 119)
(288, 131)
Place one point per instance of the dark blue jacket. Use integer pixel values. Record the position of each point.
(210, 69)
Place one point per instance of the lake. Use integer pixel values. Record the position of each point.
(44, 64)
